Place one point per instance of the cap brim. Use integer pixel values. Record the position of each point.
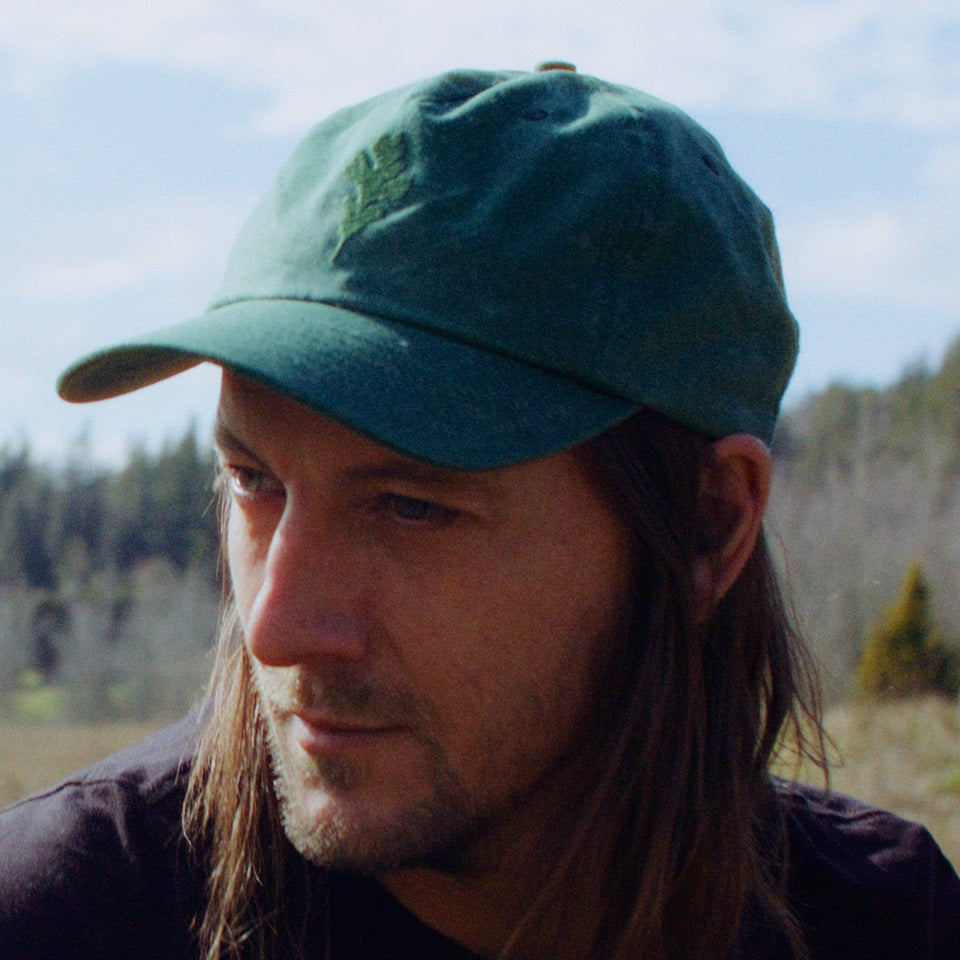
(424, 395)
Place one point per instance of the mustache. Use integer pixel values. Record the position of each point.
(336, 693)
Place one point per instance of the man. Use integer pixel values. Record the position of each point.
(503, 663)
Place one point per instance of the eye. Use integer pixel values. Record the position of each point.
(249, 481)
(415, 511)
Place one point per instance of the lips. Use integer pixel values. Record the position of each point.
(323, 736)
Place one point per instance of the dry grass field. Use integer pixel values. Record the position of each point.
(36, 755)
(904, 756)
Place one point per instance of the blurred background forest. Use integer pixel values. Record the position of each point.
(109, 584)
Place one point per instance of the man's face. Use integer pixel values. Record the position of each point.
(425, 641)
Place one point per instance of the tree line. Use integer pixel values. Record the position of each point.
(60, 524)
(109, 579)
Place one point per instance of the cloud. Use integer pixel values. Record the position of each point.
(879, 61)
(889, 60)
(82, 257)
(899, 253)
(859, 254)
(941, 173)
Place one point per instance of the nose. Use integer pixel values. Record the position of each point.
(307, 597)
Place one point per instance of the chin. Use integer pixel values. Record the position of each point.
(334, 823)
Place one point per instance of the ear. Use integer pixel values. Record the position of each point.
(734, 487)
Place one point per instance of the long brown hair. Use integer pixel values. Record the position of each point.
(676, 847)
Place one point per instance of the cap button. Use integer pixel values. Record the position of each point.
(555, 65)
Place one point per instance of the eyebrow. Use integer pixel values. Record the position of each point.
(225, 439)
(399, 467)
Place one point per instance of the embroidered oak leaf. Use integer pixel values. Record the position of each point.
(380, 184)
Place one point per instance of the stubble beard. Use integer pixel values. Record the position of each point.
(441, 830)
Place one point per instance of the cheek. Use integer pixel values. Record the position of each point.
(244, 563)
(507, 660)
(515, 715)
(546, 634)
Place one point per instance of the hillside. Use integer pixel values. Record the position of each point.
(868, 481)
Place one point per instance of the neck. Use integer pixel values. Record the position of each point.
(480, 897)
(478, 906)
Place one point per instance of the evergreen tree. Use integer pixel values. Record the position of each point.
(903, 654)
(26, 495)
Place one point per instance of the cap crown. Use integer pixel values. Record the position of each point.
(582, 227)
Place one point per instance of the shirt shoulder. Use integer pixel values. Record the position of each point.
(96, 867)
(866, 883)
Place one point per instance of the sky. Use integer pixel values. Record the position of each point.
(136, 137)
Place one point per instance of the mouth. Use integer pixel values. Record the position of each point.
(326, 736)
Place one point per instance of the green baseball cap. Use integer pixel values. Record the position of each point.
(484, 268)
